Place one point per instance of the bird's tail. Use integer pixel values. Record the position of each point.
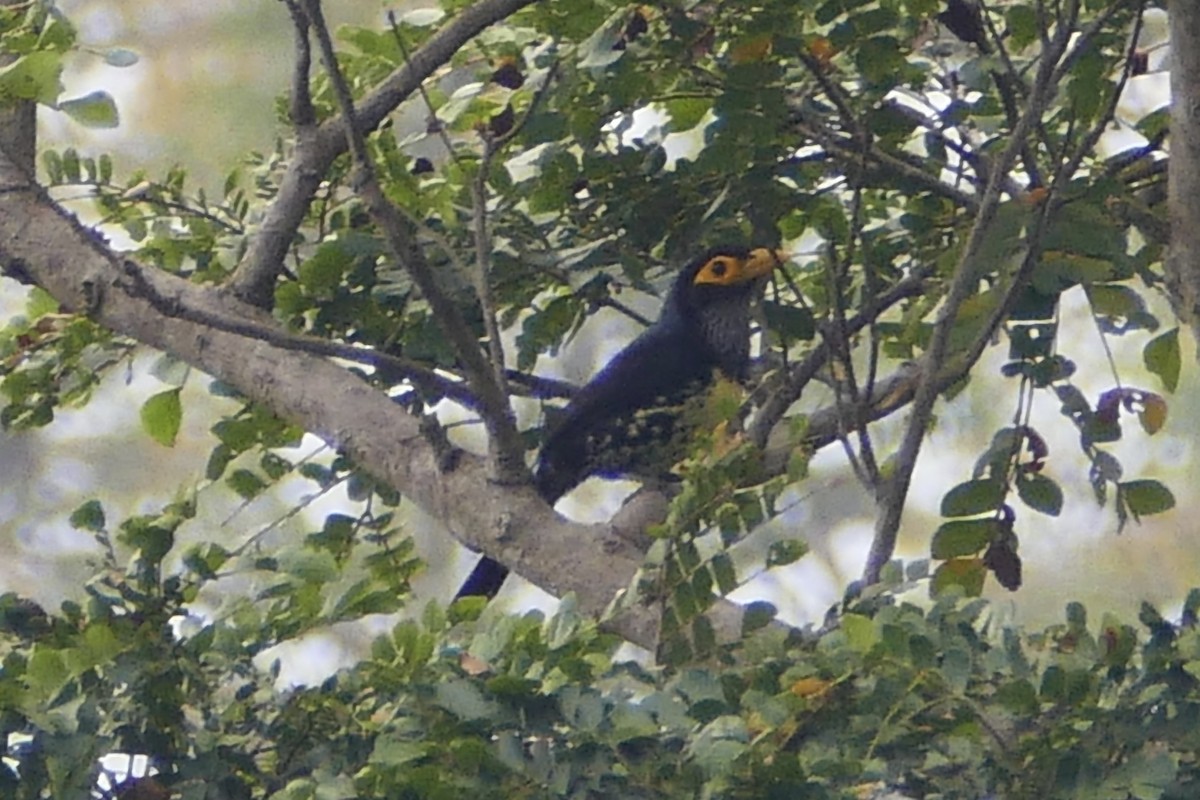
(484, 581)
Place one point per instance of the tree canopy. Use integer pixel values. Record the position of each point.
(453, 195)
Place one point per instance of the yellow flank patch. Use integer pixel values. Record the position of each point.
(751, 48)
(723, 401)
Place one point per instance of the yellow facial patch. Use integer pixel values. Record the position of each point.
(730, 270)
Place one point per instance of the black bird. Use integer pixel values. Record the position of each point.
(631, 419)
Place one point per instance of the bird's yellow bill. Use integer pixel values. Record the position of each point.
(762, 261)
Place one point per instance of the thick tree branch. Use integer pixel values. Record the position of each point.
(43, 244)
(1183, 185)
(18, 123)
(254, 279)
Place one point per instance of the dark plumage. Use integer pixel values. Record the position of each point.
(629, 419)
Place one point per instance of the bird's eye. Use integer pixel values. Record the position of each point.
(728, 270)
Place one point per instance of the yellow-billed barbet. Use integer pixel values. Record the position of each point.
(631, 419)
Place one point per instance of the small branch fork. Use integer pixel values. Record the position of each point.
(937, 361)
(506, 449)
(318, 145)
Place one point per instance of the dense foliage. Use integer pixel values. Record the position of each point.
(936, 191)
(936, 702)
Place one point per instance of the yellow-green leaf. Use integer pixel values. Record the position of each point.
(161, 417)
(1161, 356)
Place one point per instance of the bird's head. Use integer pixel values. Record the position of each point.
(722, 270)
(712, 297)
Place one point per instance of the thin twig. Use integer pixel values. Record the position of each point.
(834, 92)
(1084, 40)
(432, 123)
(897, 164)
(780, 395)
(866, 450)
(483, 259)
(837, 334)
(892, 494)
(255, 276)
(427, 378)
(971, 157)
(505, 446)
(1008, 86)
(563, 277)
(302, 111)
(539, 96)
(1088, 145)
(291, 512)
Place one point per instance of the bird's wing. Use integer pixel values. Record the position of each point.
(658, 370)
(659, 364)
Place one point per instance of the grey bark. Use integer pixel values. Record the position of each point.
(1183, 259)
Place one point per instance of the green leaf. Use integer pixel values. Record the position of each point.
(464, 700)
(1146, 497)
(308, 565)
(94, 110)
(39, 303)
(601, 48)
(1162, 357)
(162, 415)
(1147, 775)
(1117, 301)
(170, 370)
(46, 671)
(1155, 123)
(322, 274)
(1058, 271)
(724, 573)
(52, 163)
(395, 751)
(1023, 25)
(88, 517)
(121, 57)
(70, 165)
(205, 559)
(786, 551)
(965, 573)
(719, 744)
(963, 537)
(1040, 493)
(791, 322)
(704, 638)
(1086, 229)
(245, 483)
(35, 76)
(757, 615)
(1018, 696)
(153, 537)
(686, 113)
(861, 632)
(973, 497)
